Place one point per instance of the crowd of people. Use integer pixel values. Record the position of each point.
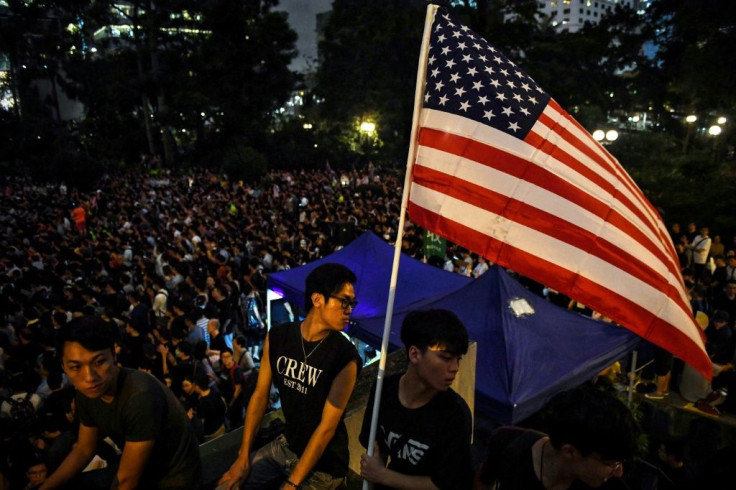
(177, 266)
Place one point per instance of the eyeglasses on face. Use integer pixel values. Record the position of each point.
(345, 302)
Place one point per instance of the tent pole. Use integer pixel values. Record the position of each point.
(632, 375)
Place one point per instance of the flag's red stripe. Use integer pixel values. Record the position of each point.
(615, 165)
(626, 312)
(523, 169)
(607, 161)
(548, 224)
(597, 178)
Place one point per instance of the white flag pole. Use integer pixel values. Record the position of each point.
(418, 96)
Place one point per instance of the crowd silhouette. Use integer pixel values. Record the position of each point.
(178, 262)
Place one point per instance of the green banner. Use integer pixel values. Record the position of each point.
(434, 245)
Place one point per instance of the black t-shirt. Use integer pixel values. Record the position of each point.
(211, 411)
(509, 461)
(510, 464)
(145, 410)
(304, 386)
(432, 440)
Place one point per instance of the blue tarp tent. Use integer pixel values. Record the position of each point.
(528, 348)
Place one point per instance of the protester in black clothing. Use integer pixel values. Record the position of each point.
(314, 368)
(424, 427)
(587, 436)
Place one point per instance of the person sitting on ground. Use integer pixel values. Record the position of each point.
(135, 410)
(211, 407)
(588, 434)
(424, 428)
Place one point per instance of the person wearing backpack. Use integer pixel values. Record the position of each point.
(22, 407)
(236, 380)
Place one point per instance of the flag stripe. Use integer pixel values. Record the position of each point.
(587, 153)
(551, 220)
(643, 322)
(551, 178)
(499, 206)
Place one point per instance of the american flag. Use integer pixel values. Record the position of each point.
(501, 169)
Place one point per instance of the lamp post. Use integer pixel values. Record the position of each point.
(714, 131)
(690, 120)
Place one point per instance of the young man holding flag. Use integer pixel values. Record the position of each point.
(424, 427)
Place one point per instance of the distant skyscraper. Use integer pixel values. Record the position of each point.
(570, 15)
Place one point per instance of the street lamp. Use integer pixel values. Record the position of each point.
(367, 127)
(690, 126)
(605, 136)
(722, 120)
(715, 130)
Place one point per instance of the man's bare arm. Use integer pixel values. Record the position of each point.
(80, 455)
(253, 417)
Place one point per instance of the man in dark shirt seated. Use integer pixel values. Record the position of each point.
(134, 409)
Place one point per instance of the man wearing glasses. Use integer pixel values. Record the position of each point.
(314, 368)
(587, 435)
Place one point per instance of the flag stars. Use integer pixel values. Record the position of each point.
(459, 91)
(431, 60)
(526, 86)
(467, 58)
(449, 63)
(464, 106)
(441, 38)
(438, 86)
(483, 100)
(488, 115)
(489, 70)
(533, 100)
(495, 83)
(505, 72)
(517, 98)
(500, 96)
(472, 71)
(443, 100)
(435, 72)
(462, 46)
(525, 111)
(514, 127)
(445, 50)
(454, 77)
(510, 84)
(507, 111)
(478, 85)
(456, 34)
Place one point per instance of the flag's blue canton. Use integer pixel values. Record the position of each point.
(469, 77)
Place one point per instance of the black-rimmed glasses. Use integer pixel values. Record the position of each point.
(345, 302)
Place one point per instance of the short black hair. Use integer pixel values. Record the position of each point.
(201, 380)
(434, 327)
(592, 420)
(90, 331)
(327, 279)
